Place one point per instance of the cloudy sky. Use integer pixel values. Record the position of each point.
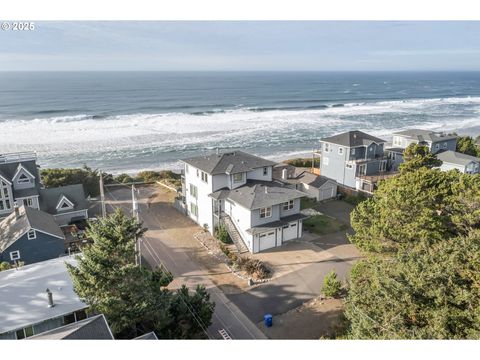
(210, 46)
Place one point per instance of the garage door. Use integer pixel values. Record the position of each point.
(290, 231)
(326, 193)
(267, 240)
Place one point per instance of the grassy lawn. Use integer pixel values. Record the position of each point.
(322, 224)
(306, 203)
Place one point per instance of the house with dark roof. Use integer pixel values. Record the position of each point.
(29, 235)
(435, 141)
(19, 181)
(466, 164)
(67, 204)
(237, 190)
(315, 186)
(353, 159)
(20, 184)
(92, 328)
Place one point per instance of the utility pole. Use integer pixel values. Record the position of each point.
(138, 250)
(102, 195)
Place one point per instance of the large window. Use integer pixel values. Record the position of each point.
(238, 177)
(24, 333)
(193, 191)
(204, 176)
(288, 205)
(265, 212)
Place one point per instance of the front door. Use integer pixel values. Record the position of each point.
(362, 170)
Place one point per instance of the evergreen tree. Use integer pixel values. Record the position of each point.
(467, 145)
(133, 298)
(420, 233)
(417, 156)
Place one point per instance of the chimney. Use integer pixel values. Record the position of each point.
(17, 211)
(50, 298)
(285, 174)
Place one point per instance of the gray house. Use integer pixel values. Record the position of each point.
(353, 159)
(66, 203)
(29, 235)
(318, 187)
(436, 141)
(454, 160)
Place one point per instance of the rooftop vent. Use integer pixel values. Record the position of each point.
(50, 298)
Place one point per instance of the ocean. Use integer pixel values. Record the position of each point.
(131, 121)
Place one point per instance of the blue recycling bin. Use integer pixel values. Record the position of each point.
(268, 320)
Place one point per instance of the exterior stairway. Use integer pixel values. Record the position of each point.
(234, 234)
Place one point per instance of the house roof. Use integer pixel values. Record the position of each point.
(299, 176)
(94, 328)
(457, 158)
(229, 163)
(425, 135)
(353, 138)
(395, 150)
(23, 297)
(148, 336)
(12, 228)
(275, 224)
(259, 194)
(49, 198)
(8, 170)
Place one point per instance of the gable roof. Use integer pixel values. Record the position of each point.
(229, 163)
(50, 198)
(259, 194)
(148, 336)
(94, 328)
(457, 158)
(8, 170)
(23, 297)
(425, 135)
(11, 228)
(353, 139)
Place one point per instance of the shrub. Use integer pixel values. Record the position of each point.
(303, 162)
(5, 266)
(222, 234)
(253, 267)
(331, 285)
(124, 178)
(355, 199)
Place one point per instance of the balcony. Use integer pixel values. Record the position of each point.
(17, 157)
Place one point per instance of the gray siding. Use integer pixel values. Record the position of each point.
(44, 247)
(256, 220)
(444, 145)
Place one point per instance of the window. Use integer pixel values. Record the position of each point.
(288, 205)
(325, 161)
(327, 147)
(271, 233)
(65, 206)
(198, 173)
(445, 145)
(24, 333)
(7, 204)
(238, 177)
(204, 176)
(265, 171)
(293, 225)
(32, 235)
(23, 179)
(265, 212)
(69, 319)
(193, 191)
(437, 146)
(397, 141)
(340, 151)
(382, 166)
(15, 255)
(285, 226)
(80, 315)
(194, 209)
(2, 207)
(28, 202)
(352, 151)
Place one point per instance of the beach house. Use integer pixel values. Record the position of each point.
(20, 184)
(236, 189)
(466, 164)
(353, 159)
(29, 235)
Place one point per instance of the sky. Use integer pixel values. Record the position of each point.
(243, 46)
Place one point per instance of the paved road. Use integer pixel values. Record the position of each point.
(158, 246)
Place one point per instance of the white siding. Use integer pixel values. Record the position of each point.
(257, 174)
(242, 218)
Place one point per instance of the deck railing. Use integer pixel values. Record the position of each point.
(16, 157)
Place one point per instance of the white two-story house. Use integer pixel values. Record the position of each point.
(236, 189)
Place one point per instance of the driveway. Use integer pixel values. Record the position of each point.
(299, 268)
